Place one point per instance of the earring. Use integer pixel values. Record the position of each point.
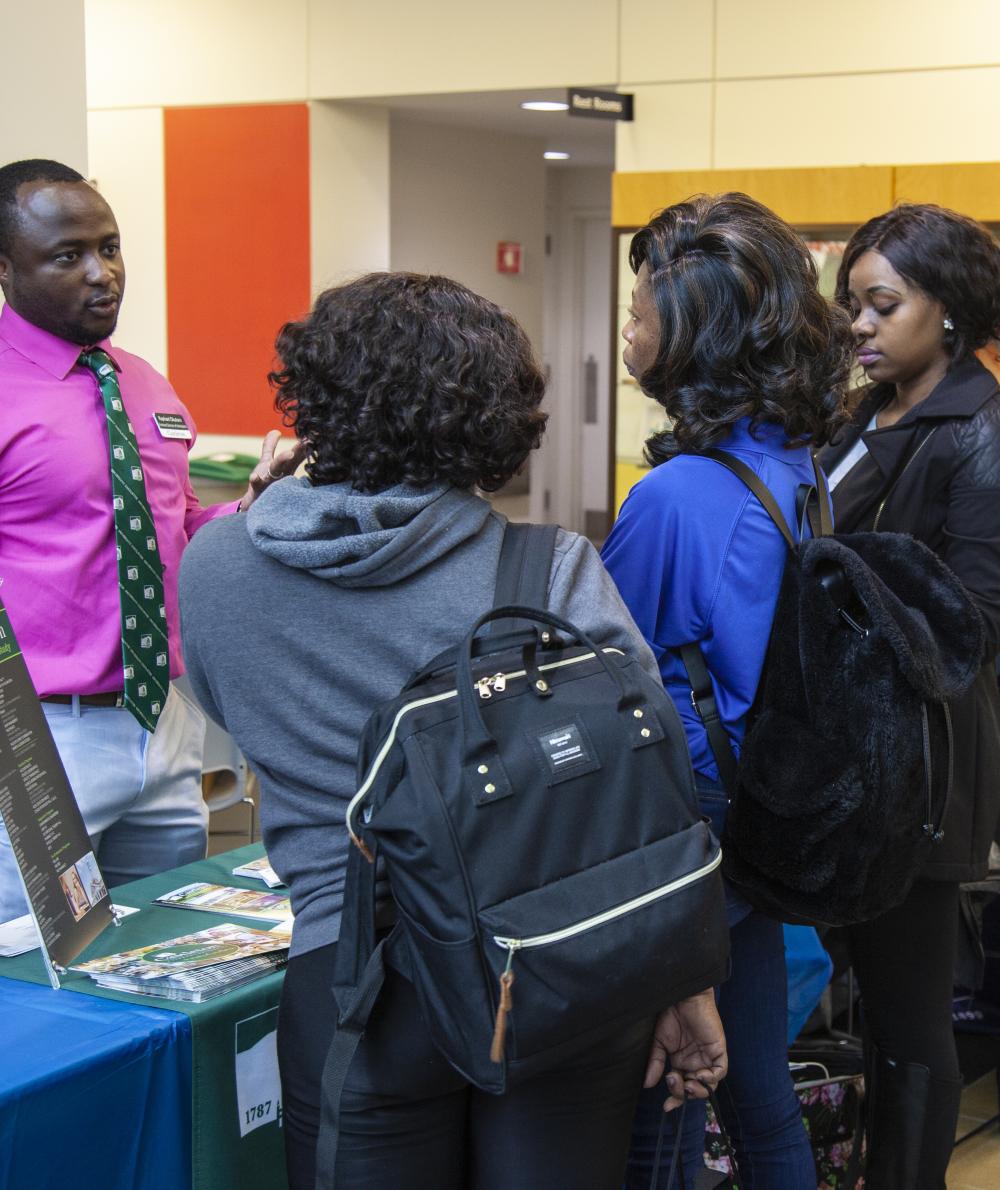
(948, 324)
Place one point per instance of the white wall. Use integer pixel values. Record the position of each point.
(126, 161)
(718, 83)
(43, 98)
(176, 52)
(398, 47)
(456, 192)
(348, 190)
(760, 83)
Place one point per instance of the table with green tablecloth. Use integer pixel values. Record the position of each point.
(235, 1099)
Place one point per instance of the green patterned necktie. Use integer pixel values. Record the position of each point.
(145, 656)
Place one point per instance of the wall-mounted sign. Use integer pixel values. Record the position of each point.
(509, 257)
(600, 105)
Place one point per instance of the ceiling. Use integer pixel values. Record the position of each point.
(588, 141)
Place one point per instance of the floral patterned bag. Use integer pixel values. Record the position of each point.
(829, 1082)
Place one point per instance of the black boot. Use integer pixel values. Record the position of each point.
(896, 1111)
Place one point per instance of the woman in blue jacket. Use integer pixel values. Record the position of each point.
(727, 332)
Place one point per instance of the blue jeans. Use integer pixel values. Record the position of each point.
(758, 1102)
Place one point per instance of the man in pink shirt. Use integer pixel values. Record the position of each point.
(132, 754)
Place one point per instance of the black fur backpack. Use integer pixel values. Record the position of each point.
(845, 771)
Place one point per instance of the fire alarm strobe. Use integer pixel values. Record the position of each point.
(509, 257)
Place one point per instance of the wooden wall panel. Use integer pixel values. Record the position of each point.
(803, 196)
(970, 187)
(237, 246)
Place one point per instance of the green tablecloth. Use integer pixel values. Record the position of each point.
(229, 1032)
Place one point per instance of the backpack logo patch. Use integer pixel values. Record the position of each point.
(567, 750)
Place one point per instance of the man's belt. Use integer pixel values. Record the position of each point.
(110, 698)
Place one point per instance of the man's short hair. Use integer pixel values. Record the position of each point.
(13, 177)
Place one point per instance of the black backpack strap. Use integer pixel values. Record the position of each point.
(351, 1026)
(702, 694)
(759, 489)
(703, 701)
(523, 570)
(825, 515)
(358, 974)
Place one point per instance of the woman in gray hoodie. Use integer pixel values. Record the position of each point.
(409, 393)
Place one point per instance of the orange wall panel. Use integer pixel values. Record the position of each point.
(237, 242)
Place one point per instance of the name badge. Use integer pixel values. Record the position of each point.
(172, 425)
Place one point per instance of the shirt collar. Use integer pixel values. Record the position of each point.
(768, 438)
(56, 356)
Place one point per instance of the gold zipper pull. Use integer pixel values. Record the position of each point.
(503, 1010)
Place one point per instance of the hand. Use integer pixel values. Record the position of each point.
(689, 1038)
(271, 466)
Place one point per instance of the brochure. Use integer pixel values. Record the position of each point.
(193, 966)
(230, 902)
(260, 869)
(201, 984)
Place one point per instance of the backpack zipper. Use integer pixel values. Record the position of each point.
(497, 681)
(895, 482)
(505, 1001)
(600, 919)
(486, 686)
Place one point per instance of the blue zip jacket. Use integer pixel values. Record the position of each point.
(696, 558)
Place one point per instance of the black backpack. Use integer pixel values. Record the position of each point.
(845, 770)
(531, 798)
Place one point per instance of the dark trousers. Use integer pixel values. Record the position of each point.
(410, 1120)
(905, 964)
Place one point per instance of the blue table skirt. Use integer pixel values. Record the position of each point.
(94, 1094)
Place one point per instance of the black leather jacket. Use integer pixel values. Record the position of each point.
(935, 474)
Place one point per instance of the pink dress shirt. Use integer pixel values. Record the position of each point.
(58, 569)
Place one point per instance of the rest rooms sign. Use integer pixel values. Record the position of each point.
(599, 105)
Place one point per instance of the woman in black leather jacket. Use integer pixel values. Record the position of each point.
(922, 456)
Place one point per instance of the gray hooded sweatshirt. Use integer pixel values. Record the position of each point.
(303, 616)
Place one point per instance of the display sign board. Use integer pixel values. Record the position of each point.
(62, 881)
(600, 105)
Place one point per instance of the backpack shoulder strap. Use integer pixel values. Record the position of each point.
(702, 693)
(758, 487)
(703, 701)
(825, 516)
(525, 563)
(523, 570)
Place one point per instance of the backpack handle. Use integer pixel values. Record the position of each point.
(481, 756)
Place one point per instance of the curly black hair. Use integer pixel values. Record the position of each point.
(744, 332)
(403, 378)
(949, 256)
(17, 174)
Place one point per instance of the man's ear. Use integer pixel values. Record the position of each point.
(5, 272)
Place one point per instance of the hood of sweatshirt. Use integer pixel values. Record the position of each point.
(360, 539)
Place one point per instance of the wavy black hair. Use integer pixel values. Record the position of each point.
(949, 256)
(403, 378)
(16, 174)
(744, 332)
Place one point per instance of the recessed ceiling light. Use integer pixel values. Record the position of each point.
(555, 155)
(545, 105)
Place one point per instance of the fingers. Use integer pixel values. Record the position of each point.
(680, 1087)
(656, 1064)
(276, 466)
(267, 447)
